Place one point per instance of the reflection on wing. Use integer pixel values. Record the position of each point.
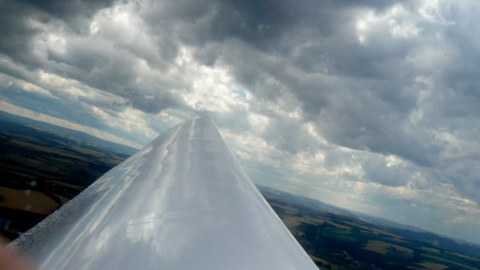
(183, 202)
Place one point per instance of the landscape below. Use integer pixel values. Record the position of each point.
(339, 239)
(44, 166)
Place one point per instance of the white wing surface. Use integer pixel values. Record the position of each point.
(183, 202)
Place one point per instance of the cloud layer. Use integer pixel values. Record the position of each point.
(371, 105)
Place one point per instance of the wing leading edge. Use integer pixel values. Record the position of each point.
(182, 202)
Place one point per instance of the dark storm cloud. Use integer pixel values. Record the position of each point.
(262, 24)
(258, 23)
(270, 26)
(280, 29)
(116, 72)
(15, 32)
(359, 96)
(362, 96)
(69, 10)
(17, 25)
(99, 63)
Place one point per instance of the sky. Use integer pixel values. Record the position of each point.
(370, 105)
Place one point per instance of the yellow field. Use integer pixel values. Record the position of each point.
(339, 226)
(32, 201)
(433, 266)
(324, 263)
(383, 247)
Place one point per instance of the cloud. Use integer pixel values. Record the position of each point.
(10, 108)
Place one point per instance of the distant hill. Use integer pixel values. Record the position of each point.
(68, 133)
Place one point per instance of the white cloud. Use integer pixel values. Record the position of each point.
(10, 108)
(397, 21)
